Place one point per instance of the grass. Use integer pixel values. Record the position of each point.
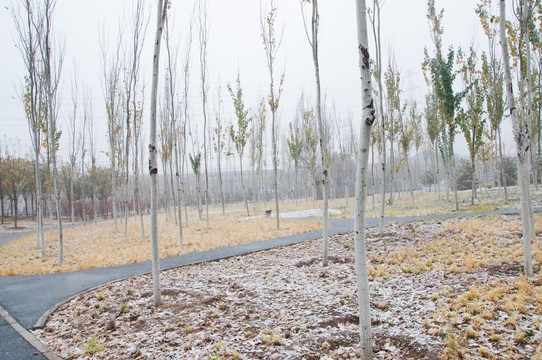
(428, 203)
(470, 316)
(464, 246)
(99, 245)
(95, 246)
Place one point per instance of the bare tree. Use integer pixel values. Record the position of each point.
(203, 35)
(161, 13)
(375, 22)
(25, 19)
(271, 46)
(493, 79)
(131, 110)
(75, 139)
(367, 121)
(219, 147)
(240, 136)
(313, 41)
(52, 67)
(111, 68)
(86, 128)
(172, 61)
(186, 117)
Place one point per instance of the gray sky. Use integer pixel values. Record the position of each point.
(235, 43)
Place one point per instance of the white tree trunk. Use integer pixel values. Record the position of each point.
(522, 138)
(367, 120)
(243, 186)
(325, 183)
(153, 153)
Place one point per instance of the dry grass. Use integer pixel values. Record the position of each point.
(95, 246)
(507, 324)
(428, 203)
(465, 245)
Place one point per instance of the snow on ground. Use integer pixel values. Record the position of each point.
(300, 214)
(282, 304)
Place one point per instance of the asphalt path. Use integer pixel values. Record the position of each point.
(29, 298)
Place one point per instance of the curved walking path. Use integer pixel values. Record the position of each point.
(25, 301)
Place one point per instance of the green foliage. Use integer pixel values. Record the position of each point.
(310, 136)
(471, 121)
(195, 163)
(295, 144)
(241, 136)
(492, 79)
(435, 21)
(392, 81)
(431, 117)
(442, 79)
(257, 135)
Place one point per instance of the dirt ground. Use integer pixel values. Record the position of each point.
(431, 298)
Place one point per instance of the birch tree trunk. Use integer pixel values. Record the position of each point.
(522, 137)
(153, 153)
(382, 123)
(203, 37)
(367, 121)
(51, 87)
(271, 46)
(315, 22)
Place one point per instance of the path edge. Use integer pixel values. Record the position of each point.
(28, 336)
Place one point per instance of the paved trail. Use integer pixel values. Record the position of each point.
(29, 298)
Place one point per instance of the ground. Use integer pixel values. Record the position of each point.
(98, 245)
(101, 245)
(448, 290)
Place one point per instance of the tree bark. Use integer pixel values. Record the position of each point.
(153, 153)
(522, 138)
(368, 118)
(325, 185)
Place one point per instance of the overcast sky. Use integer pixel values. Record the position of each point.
(235, 44)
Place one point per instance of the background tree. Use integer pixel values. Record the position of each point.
(375, 21)
(393, 100)
(26, 20)
(310, 145)
(75, 140)
(443, 76)
(174, 130)
(313, 41)
(471, 121)
(203, 35)
(406, 141)
(52, 67)
(186, 114)
(218, 139)
(195, 163)
(257, 140)
(111, 67)
(130, 100)
(240, 136)
(295, 148)
(271, 46)
(493, 80)
(16, 172)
